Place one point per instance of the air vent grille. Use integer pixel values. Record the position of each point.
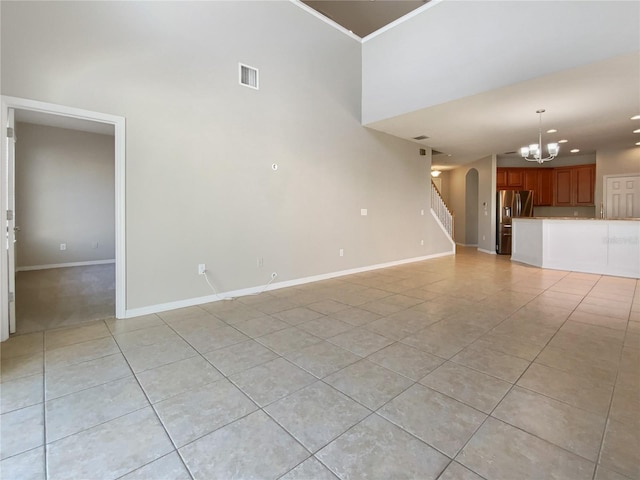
(420, 137)
(249, 76)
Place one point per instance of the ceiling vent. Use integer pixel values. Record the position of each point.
(421, 137)
(248, 76)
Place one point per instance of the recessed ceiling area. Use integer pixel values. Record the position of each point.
(363, 17)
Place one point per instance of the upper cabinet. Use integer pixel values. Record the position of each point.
(574, 186)
(562, 186)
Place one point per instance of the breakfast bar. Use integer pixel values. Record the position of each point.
(601, 246)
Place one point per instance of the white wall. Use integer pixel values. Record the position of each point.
(406, 69)
(64, 194)
(200, 188)
(615, 161)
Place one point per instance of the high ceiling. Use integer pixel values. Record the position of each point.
(363, 17)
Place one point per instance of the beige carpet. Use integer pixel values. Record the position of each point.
(59, 297)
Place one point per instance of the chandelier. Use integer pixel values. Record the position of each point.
(533, 153)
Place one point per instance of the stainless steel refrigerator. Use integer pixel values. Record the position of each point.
(511, 204)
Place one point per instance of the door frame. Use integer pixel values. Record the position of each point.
(118, 123)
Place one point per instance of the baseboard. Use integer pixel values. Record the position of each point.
(490, 252)
(64, 265)
(190, 302)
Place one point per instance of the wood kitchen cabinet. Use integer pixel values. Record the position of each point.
(574, 186)
(540, 180)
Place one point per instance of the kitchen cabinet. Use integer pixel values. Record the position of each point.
(540, 180)
(574, 186)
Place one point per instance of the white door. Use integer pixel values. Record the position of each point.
(11, 217)
(622, 196)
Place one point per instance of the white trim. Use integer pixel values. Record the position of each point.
(65, 265)
(402, 19)
(326, 20)
(490, 252)
(444, 230)
(119, 125)
(466, 244)
(190, 302)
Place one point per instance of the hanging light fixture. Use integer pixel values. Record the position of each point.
(535, 149)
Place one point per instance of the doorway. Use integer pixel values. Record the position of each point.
(622, 196)
(471, 208)
(70, 117)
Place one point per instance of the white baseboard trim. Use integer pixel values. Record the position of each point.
(467, 244)
(490, 252)
(190, 302)
(65, 265)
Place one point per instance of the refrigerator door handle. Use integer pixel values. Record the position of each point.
(518, 205)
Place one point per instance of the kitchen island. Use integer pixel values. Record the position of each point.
(601, 246)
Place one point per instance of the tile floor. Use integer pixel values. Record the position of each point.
(462, 367)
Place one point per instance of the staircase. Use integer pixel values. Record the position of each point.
(441, 211)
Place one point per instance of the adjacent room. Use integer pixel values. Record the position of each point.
(320, 240)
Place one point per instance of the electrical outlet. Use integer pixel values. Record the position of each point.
(342, 252)
(364, 212)
(274, 275)
(421, 242)
(421, 212)
(201, 268)
(63, 246)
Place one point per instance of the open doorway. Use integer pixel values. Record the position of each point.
(71, 172)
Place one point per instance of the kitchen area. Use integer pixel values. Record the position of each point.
(548, 217)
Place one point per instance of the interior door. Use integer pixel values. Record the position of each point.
(11, 217)
(623, 197)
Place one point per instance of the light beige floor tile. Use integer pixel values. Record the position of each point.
(80, 352)
(68, 336)
(632, 340)
(491, 362)
(194, 324)
(274, 305)
(256, 327)
(21, 366)
(399, 326)
(73, 378)
(579, 363)
(85, 409)
(356, 316)
(509, 345)
(621, 448)
(288, 340)
(172, 316)
(384, 307)
(231, 451)
(168, 467)
(130, 324)
(172, 379)
(202, 410)
(310, 469)
(501, 451)
(375, 448)
(325, 327)
(271, 381)
(298, 315)
(22, 430)
(317, 414)
(322, 359)
(361, 341)
(21, 345)
(435, 342)
(406, 360)
(603, 473)
(369, 384)
(578, 391)
(598, 320)
(158, 354)
(568, 427)
(327, 307)
(440, 421)
(239, 357)
(25, 466)
(207, 340)
(22, 392)
(625, 406)
(593, 331)
(479, 390)
(113, 448)
(455, 471)
(145, 337)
